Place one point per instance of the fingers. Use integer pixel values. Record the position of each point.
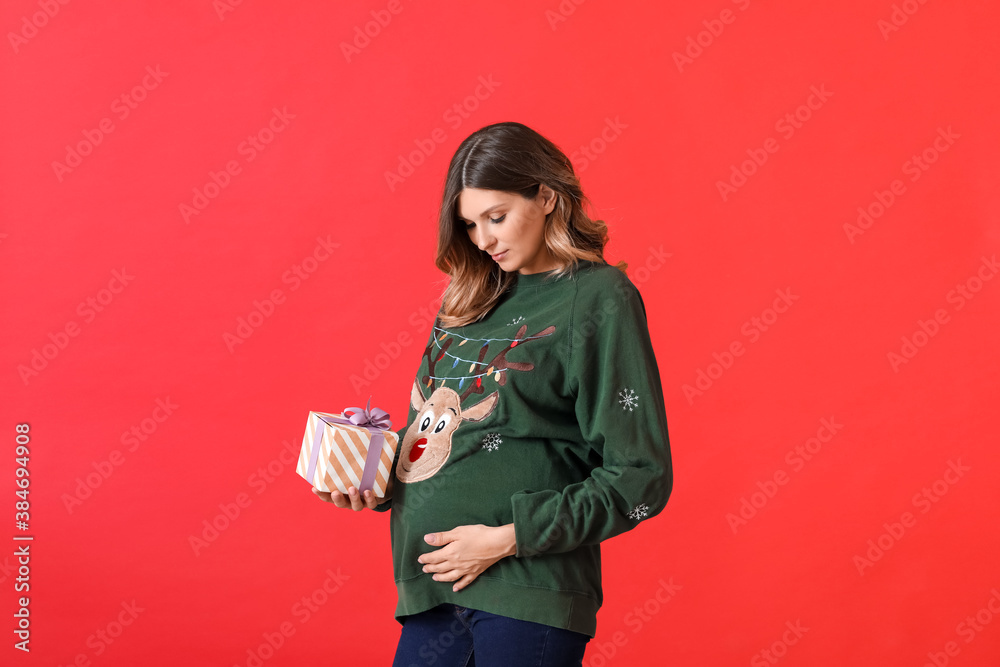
(327, 497)
(444, 537)
(339, 499)
(463, 582)
(450, 575)
(442, 568)
(371, 500)
(437, 558)
(335, 497)
(357, 502)
(351, 499)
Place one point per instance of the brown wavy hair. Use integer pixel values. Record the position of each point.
(513, 158)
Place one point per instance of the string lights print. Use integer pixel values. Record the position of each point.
(497, 367)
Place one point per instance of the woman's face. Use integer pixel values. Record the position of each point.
(509, 227)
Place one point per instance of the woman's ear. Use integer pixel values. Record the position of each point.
(548, 198)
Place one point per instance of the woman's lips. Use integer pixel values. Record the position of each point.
(417, 449)
(500, 256)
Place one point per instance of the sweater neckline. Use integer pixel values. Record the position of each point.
(547, 277)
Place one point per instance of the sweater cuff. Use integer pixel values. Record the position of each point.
(533, 534)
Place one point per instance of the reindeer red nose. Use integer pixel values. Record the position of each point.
(417, 449)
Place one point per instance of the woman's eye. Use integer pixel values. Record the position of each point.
(470, 225)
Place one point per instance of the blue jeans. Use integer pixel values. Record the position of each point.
(453, 636)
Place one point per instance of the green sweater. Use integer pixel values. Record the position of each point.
(548, 413)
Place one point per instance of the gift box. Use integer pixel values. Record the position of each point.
(355, 447)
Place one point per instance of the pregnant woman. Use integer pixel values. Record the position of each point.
(537, 427)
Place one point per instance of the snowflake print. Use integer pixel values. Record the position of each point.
(516, 320)
(627, 399)
(639, 511)
(492, 442)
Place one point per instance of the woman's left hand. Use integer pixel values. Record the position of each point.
(466, 551)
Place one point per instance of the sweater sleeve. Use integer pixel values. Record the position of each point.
(620, 408)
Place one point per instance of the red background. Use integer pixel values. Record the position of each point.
(567, 71)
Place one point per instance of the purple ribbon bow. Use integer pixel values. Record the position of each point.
(374, 420)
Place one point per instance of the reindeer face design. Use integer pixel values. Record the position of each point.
(427, 443)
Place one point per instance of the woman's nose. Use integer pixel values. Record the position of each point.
(482, 239)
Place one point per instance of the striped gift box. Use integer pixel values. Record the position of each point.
(340, 461)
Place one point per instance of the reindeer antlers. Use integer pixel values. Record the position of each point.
(428, 380)
(500, 364)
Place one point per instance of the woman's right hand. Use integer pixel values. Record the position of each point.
(353, 499)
